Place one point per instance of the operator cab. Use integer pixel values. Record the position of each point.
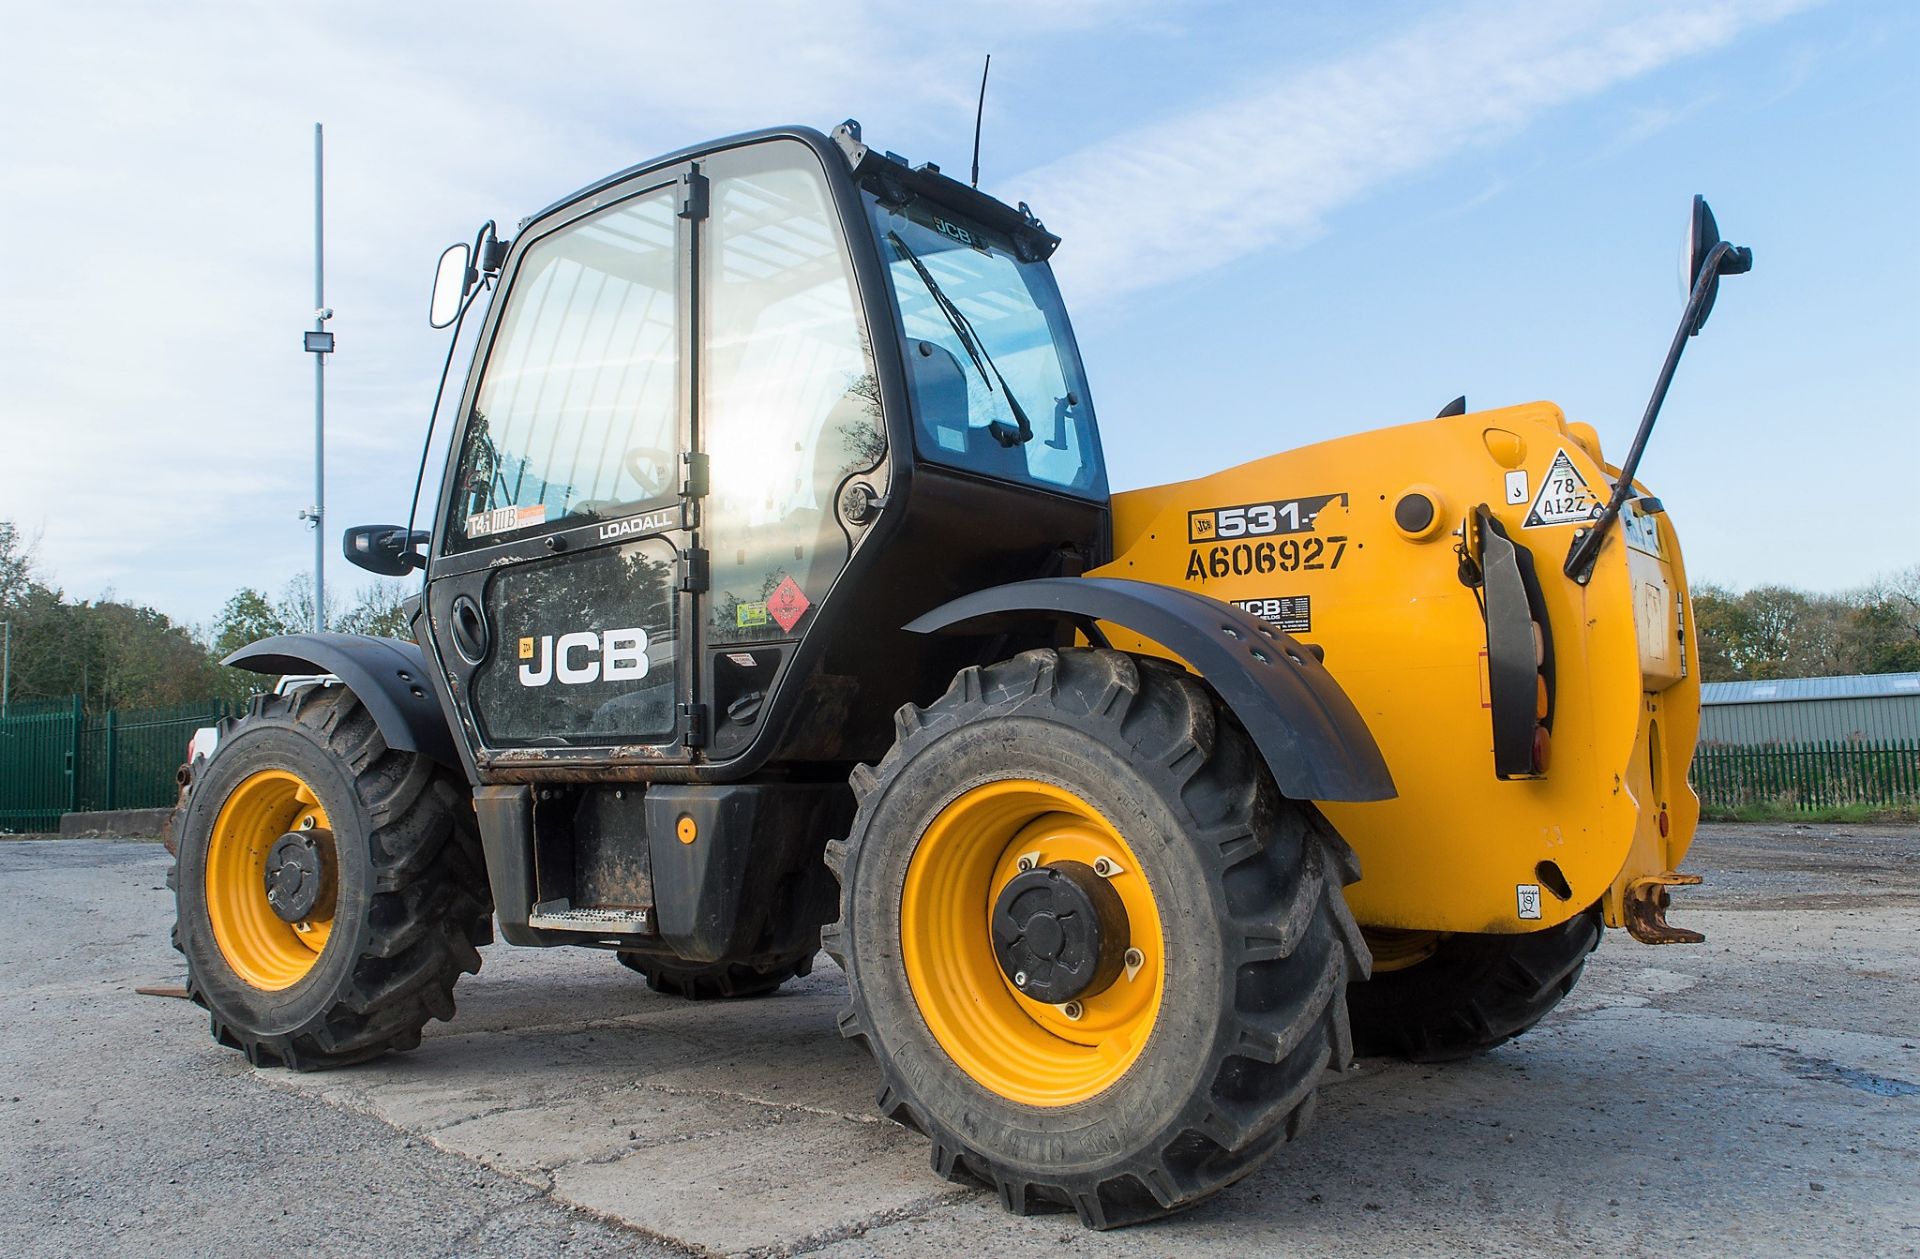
(734, 417)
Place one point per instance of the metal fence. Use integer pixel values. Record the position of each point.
(1882, 773)
(56, 758)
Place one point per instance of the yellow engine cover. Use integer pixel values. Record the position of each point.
(1310, 541)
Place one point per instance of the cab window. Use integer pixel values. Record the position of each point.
(985, 331)
(575, 416)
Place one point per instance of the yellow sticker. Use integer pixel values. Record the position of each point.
(526, 649)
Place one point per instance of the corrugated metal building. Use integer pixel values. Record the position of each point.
(1874, 707)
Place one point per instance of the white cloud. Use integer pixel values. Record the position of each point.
(1161, 202)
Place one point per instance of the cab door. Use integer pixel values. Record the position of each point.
(554, 588)
(788, 423)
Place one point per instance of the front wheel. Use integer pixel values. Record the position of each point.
(1099, 959)
(329, 889)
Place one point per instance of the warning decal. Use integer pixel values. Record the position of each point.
(787, 604)
(1564, 498)
(1527, 901)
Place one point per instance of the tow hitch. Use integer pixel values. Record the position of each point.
(1645, 905)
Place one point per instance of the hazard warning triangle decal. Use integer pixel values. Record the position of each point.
(1564, 498)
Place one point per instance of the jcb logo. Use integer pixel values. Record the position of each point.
(615, 655)
(955, 231)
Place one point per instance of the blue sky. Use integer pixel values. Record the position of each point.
(1283, 222)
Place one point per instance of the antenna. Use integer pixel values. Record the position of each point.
(978, 111)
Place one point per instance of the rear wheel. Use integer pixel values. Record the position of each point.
(1099, 959)
(329, 889)
(706, 981)
(1438, 997)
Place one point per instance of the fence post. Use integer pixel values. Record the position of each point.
(73, 755)
(113, 753)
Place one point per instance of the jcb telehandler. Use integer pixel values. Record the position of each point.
(774, 596)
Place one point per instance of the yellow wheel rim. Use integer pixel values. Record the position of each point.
(1019, 1048)
(262, 950)
(1395, 949)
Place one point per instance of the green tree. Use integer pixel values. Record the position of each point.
(16, 566)
(248, 617)
(113, 654)
(1881, 631)
(1720, 630)
(377, 610)
(1779, 632)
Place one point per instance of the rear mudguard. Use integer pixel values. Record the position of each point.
(388, 675)
(1312, 737)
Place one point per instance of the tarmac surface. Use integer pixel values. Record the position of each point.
(1756, 1095)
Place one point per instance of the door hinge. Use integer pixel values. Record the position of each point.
(693, 570)
(693, 479)
(693, 725)
(693, 195)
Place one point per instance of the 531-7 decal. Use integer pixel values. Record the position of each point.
(1255, 520)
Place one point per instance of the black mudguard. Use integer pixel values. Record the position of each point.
(1312, 737)
(387, 674)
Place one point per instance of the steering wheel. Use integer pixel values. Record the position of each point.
(651, 467)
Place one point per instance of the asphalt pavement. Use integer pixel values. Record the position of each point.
(1756, 1095)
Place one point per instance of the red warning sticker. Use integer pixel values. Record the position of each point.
(788, 603)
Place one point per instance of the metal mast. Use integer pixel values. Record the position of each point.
(319, 343)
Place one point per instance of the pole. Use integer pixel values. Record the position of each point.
(73, 755)
(113, 753)
(319, 391)
(6, 670)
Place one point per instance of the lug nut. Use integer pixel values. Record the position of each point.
(1135, 959)
(1072, 1010)
(1024, 864)
(1102, 867)
(1019, 979)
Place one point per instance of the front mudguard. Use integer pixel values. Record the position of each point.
(388, 675)
(1312, 737)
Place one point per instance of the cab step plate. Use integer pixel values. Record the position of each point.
(560, 915)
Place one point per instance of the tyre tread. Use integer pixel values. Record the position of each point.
(696, 981)
(1474, 995)
(429, 902)
(1262, 1081)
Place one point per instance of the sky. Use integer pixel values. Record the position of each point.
(1283, 222)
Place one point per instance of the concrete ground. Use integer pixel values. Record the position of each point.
(1759, 1094)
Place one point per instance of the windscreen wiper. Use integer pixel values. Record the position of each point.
(975, 347)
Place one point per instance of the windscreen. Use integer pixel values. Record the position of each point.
(987, 345)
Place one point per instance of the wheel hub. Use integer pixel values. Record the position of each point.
(1060, 932)
(299, 875)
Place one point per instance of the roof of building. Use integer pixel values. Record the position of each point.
(1781, 690)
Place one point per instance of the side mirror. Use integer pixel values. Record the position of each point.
(1703, 236)
(388, 550)
(452, 282)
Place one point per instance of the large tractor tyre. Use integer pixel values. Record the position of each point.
(1454, 996)
(1099, 959)
(329, 890)
(707, 981)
